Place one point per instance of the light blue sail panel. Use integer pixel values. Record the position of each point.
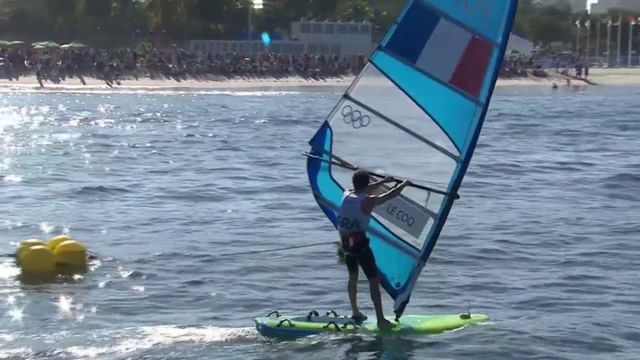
(456, 113)
(488, 18)
(415, 112)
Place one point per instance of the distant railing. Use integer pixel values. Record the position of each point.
(549, 63)
(256, 47)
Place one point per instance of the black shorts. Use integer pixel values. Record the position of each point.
(367, 262)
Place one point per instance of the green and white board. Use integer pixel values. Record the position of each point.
(280, 326)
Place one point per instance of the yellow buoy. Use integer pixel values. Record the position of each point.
(55, 241)
(25, 245)
(71, 253)
(38, 259)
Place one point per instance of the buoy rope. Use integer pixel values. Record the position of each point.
(276, 250)
(93, 255)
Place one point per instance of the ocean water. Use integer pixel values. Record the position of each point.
(164, 187)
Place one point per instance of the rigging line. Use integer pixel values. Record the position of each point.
(417, 186)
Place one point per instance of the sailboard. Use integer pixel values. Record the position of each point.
(414, 112)
(283, 326)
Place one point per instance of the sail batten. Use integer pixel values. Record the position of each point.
(415, 111)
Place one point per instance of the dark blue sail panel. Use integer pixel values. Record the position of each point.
(415, 112)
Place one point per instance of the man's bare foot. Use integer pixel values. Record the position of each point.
(384, 325)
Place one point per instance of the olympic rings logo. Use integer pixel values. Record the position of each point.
(355, 118)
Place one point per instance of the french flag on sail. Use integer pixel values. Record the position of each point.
(442, 49)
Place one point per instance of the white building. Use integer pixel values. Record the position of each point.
(353, 38)
(244, 47)
(313, 37)
(519, 44)
(603, 6)
(576, 5)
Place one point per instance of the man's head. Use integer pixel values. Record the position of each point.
(360, 180)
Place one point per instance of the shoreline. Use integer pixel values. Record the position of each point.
(608, 77)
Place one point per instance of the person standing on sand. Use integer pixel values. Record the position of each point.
(586, 71)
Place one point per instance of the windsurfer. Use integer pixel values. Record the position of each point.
(353, 220)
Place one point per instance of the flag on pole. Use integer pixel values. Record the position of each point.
(634, 20)
(587, 24)
(578, 24)
(617, 23)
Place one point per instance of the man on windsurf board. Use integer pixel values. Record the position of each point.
(353, 220)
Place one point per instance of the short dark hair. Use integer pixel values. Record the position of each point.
(360, 180)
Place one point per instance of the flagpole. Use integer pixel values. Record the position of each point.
(598, 41)
(578, 39)
(631, 23)
(250, 21)
(609, 24)
(619, 39)
(588, 39)
(634, 21)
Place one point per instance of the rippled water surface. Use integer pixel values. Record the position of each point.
(163, 186)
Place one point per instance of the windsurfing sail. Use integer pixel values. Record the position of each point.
(414, 112)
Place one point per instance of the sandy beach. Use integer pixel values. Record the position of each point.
(606, 77)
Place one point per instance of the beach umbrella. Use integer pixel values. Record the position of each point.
(51, 45)
(16, 43)
(74, 45)
(4, 43)
(46, 45)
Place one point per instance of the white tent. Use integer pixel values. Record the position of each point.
(519, 44)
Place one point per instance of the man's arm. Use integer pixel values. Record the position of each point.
(373, 187)
(381, 199)
(373, 201)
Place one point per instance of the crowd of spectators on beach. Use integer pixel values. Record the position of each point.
(56, 65)
(519, 66)
(112, 66)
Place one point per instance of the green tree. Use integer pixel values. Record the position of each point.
(324, 9)
(355, 10)
(97, 8)
(111, 22)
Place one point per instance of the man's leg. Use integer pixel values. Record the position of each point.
(374, 288)
(368, 263)
(352, 285)
(352, 288)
